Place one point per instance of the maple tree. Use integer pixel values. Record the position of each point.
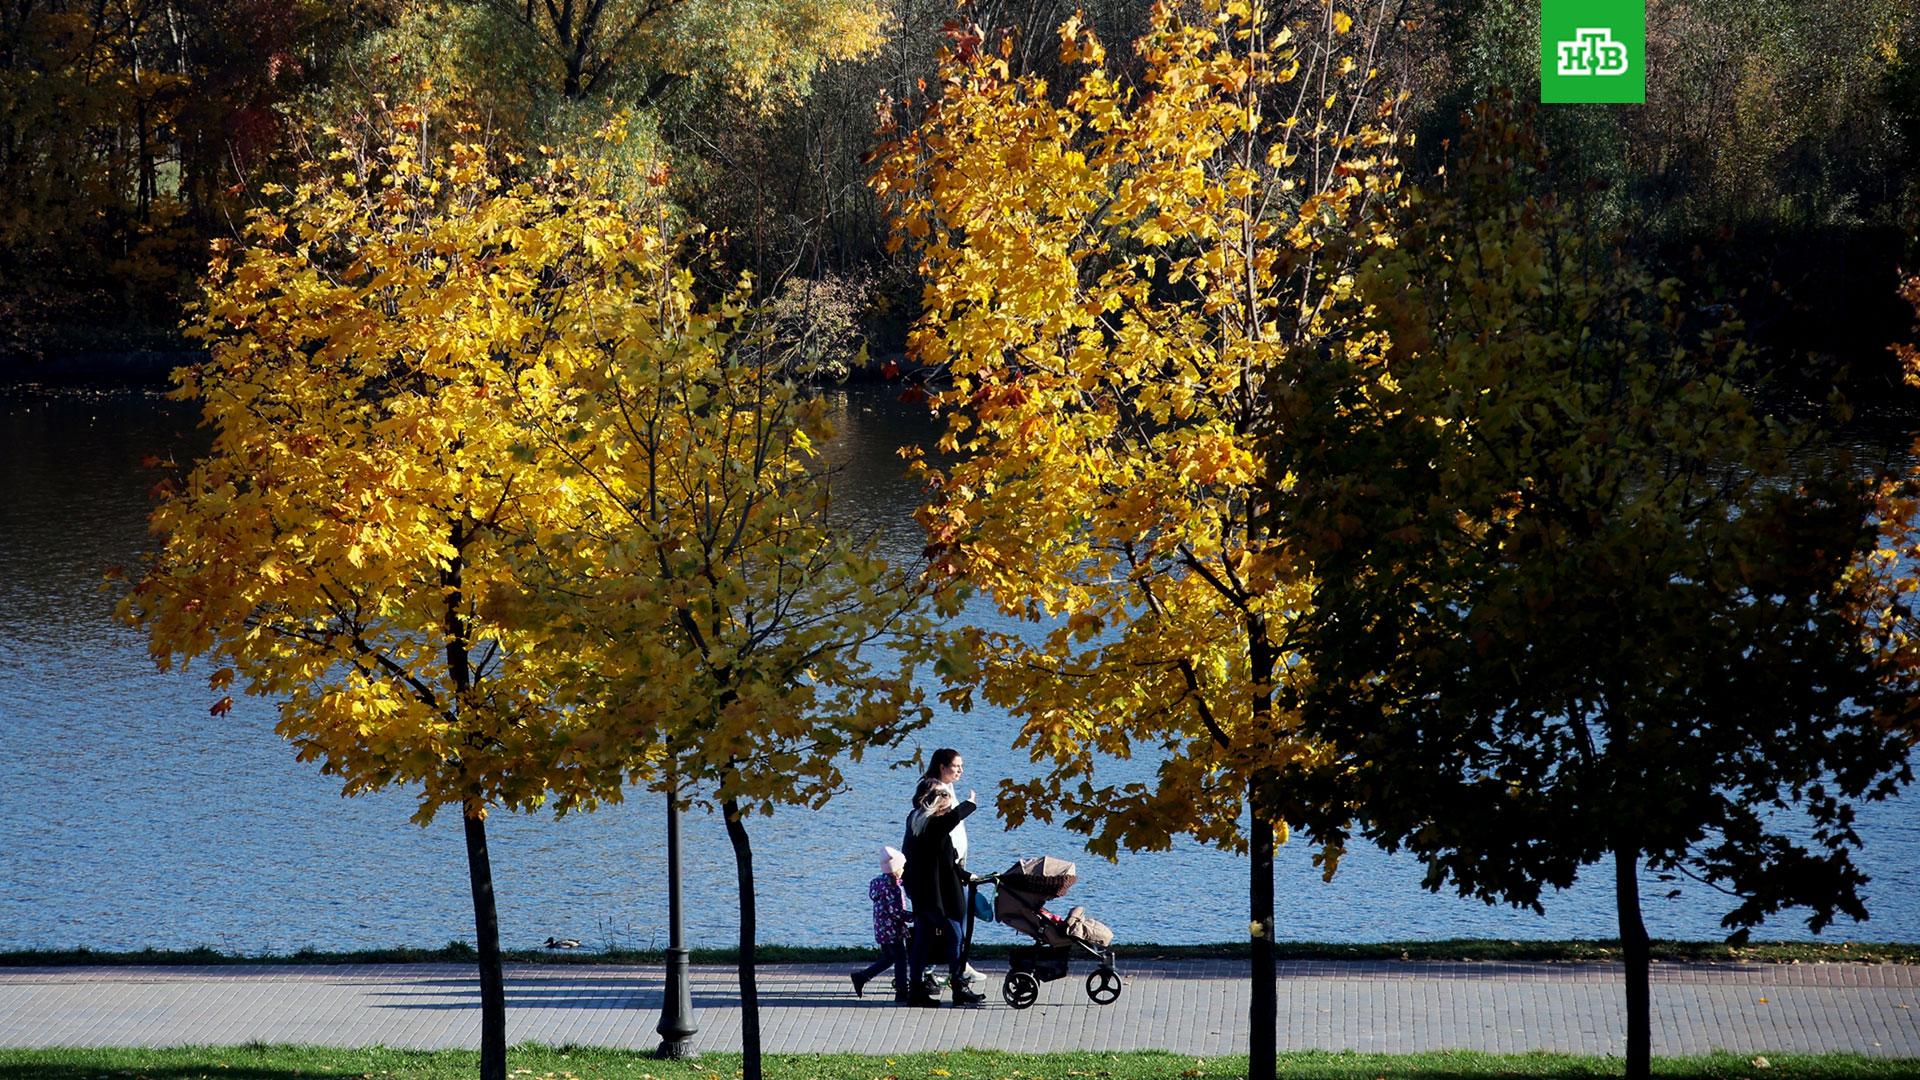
(1112, 276)
(740, 640)
(381, 348)
(1561, 610)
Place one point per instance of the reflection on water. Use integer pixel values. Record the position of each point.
(131, 817)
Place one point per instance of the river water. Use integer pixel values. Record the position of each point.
(130, 817)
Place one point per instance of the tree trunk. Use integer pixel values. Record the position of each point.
(486, 926)
(1633, 943)
(1264, 1013)
(486, 916)
(749, 995)
(1263, 1010)
(147, 186)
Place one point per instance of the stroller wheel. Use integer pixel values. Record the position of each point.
(1103, 986)
(1020, 989)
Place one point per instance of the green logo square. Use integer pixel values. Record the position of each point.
(1593, 51)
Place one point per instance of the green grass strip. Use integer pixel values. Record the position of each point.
(1461, 950)
(257, 1062)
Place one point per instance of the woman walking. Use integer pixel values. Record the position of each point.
(937, 886)
(946, 768)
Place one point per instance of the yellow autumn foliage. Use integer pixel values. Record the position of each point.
(499, 506)
(381, 347)
(1116, 276)
(740, 640)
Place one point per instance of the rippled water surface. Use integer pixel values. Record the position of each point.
(130, 817)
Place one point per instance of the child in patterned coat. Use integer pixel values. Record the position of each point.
(889, 925)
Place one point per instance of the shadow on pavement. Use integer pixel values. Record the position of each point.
(643, 994)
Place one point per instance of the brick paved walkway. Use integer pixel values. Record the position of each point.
(1192, 1007)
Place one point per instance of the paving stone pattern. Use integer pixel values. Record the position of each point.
(1193, 1007)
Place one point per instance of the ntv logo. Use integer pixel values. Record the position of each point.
(1592, 52)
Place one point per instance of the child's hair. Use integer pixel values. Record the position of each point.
(938, 799)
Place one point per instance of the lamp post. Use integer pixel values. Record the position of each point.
(676, 1025)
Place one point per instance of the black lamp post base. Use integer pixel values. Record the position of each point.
(676, 1026)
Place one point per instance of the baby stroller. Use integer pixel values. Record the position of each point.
(1019, 901)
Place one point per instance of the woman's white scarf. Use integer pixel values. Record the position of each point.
(959, 830)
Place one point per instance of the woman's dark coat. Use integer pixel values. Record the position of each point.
(933, 879)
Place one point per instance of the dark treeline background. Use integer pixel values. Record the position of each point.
(1773, 165)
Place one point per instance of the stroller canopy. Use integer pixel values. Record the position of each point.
(1044, 877)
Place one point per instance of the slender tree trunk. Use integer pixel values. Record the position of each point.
(486, 915)
(749, 992)
(486, 927)
(148, 184)
(1263, 1010)
(1633, 944)
(1264, 1013)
